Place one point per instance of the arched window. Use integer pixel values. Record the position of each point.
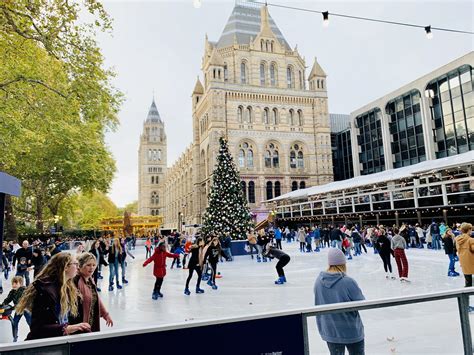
(273, 74)
(272, 158)
(300, 160)
(240, 110)
(317, 83)
(152, 179)
(274, 116)
(302, 185)
(241, 158)
(243, 73)
(292, 117)
(267, 45)
(156, 180)
(226, 72)
(159, 154)
(155, 154)
(250, 158)
(263, 74)
(154, 198)
(296, 156)
(268, 159)
(243, 185)
(248, 115)
(294, 186)
(269, 190)
(150, 154)
(251, 188)
(322, 84)
(266, 119)
(300, 76)
(300, 118)
(261, 44)
(290, 77)
(277, 188)
(292, 159)
(271, 46)
(152, 212)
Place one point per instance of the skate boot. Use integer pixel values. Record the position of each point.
(392, 276)
(111, 287)
(100, 276)
(209, 282)
(214, 286)
(119, 287)
(456, 273)
(264, 260)
(259, 259)
(154, 296)
(98, 289)
(387, 275)
(451, 274)
(279, 281)
(317, 250)
(124, 281)
(187, 292)
(160, 295)
(350, 257)
(199, 290)
(470, 309)
(205, 277)
(284, 278)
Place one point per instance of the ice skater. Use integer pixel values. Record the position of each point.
(383, 247)
(195, 264)
(398, 245)
(159, 267)
(465, 248)
(212, 256)
(283, 259)
(14, 296)
(450, 250)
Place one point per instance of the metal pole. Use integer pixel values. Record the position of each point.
(2, 215)
(304, 319)
(463, 303)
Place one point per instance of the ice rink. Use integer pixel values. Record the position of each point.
(248, 287)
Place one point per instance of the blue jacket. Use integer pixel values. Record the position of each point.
(277, 233)
(341, 328)
(317, 234)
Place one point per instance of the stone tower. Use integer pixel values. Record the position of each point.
(152, 162)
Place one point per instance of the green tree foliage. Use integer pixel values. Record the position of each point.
(227, 210)
(56, 102)
(89, 209)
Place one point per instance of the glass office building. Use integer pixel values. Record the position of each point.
(369, 139)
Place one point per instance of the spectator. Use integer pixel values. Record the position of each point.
(51, 298)
(340, 330)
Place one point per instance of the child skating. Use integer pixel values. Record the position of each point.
(159, 268)
(14, 296)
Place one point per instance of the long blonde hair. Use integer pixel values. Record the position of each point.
(337, 268)
(118, 243)
(55, 270)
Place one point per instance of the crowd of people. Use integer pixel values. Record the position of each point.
(64, 296)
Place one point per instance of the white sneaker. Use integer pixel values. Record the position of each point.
(392, 276)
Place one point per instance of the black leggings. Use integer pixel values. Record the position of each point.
(386, 261)
(158, 283)
(285, 259)
(214, 271)
(468, 280)
(362, 245)
(302, 246)
(198, 270)
(278, 243)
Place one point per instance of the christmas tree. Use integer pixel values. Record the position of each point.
(227, 210)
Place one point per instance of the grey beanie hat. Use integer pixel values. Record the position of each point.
(336, 257)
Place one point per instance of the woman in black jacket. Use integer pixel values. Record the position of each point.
(195, 264)
(51, 298)
(212, 255)
(99, 256)
(383, 246)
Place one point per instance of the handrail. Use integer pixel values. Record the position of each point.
(306, 312)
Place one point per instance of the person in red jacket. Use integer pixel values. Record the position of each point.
(159, 268)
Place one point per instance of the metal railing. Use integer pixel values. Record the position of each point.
(63, 344)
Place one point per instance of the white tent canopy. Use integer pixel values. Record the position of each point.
(384, 176)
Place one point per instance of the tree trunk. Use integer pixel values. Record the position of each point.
(39, 215)
(11, 231)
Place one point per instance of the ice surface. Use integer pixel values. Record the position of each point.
(248, 287)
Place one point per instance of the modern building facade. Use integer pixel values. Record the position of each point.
(255, 93)
(431, 117)
(152, 164)
(341, 146)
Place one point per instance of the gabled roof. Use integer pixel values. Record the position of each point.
(243, 23)
(153, 114)
(198, 88)
(216, 58)
(317, 70)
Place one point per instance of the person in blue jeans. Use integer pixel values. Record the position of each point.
(14, 296)
(339, 330)
(436, 235)
(115, 259)
(450, 250)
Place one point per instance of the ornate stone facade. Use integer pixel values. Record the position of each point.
(255, 94)
(152, 164)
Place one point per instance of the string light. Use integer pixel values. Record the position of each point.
(197, 4)
(325, 18)
(369, 19)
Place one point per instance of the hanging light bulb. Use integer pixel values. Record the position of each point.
(197, 4)
(325, 18)
(429, 34)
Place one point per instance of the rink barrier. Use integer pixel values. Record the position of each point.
(292, 339)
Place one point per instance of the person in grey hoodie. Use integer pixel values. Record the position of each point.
(339, 330)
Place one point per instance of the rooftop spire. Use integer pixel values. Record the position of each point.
(153, 114)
